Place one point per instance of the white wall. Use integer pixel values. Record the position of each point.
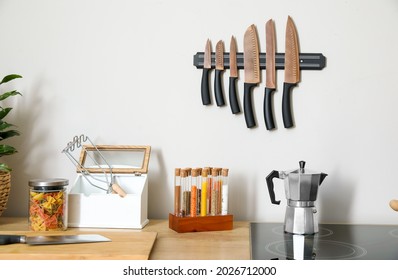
(122, 72)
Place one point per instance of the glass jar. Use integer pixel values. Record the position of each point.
(48, 204)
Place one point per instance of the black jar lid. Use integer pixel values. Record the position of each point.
(51, 184)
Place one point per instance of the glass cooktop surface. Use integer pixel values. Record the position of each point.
(332, 242)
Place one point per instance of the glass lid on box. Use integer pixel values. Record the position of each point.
(122, 159)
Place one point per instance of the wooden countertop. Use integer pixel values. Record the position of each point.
(155, 241)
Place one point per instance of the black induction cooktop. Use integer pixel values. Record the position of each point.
(332, 242)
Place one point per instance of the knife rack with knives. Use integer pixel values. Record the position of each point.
(252, 61)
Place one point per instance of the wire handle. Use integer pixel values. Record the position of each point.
(75, 143)
(78, 142)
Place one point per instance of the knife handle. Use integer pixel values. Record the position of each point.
(286, 105)
(233, 99)
(218, 88)
(247, 105)
(268, 112)
(10, 239)
(205, 87)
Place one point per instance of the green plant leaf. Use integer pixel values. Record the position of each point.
(4, 112)
(5, 125)
(8, 94)
(4, 167)
(8, 134)
(10, 77)
(6, 150)
(4, 133)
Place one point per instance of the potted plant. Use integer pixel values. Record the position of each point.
(6, 131)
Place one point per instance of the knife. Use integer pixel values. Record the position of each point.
(292, 71)
(52, 239)
(205, 89)
(218, 89)
(233, 76)
(270, 74)
(252, 72)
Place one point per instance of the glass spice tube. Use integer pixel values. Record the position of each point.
(209, 188)
(177, 192)
(48, 203)
(199, 191)
(218, 191)
(194, 192)
(209, 185)
(224, 190)
(189, 177)
(203, 197)
(213, 193)
(188, 190)
(185, 193)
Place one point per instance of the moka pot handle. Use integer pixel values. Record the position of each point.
(270, 184)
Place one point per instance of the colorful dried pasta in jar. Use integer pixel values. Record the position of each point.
(48, 202)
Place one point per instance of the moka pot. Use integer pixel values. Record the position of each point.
(301, 189)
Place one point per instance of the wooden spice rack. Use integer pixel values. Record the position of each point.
(201, 223)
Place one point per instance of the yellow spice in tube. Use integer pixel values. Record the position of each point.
(203, 202)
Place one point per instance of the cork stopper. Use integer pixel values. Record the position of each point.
(184, 173)
(224, 172)
(177, 171)
(195, 172)
(189, 171)
(205, 171)
(214, 172)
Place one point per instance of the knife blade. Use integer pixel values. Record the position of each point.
(52, 239)
(218, 88)
(233, 77)
(292, 71)
(251, 64)
(205, 88)
(270, 82)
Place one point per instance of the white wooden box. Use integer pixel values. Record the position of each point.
(91, 206)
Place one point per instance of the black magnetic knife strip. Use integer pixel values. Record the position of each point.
(308, 61)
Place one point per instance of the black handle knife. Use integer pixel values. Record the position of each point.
(247, 104)
(52, 239)
(233, 77)
(268, 112)
(286, 104)
(11, 239)
(218, 89)
(205, 89)
(270, 83)
(205, 86)
(233, 100)
(292, 71)
(252, 72)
